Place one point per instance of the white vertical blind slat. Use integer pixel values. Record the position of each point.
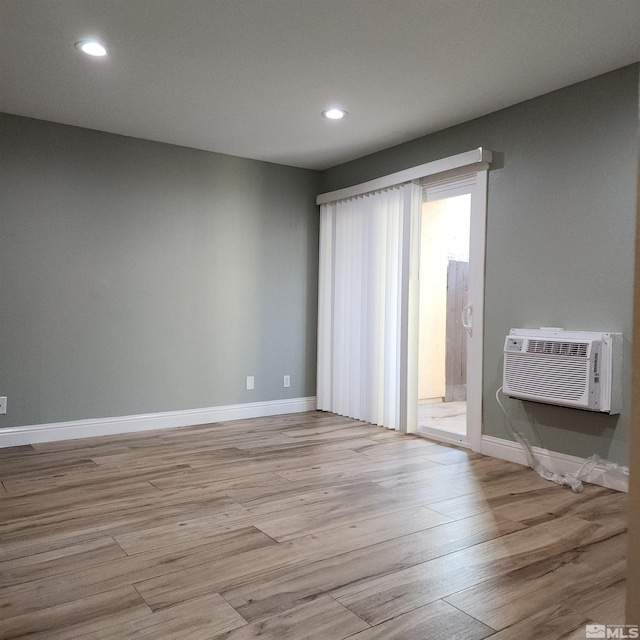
(325, 312)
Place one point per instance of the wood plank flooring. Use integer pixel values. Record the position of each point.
(294, 527)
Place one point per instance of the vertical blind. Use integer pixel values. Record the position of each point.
(363, 304)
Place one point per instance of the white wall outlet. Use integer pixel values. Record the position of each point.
(3, 404)
(287, 381)
(251, 383)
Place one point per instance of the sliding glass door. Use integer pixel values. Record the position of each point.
(450, 309)
(377, 355)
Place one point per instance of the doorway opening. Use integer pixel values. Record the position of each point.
(444, 286)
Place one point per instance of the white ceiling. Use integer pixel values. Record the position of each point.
(251, 77)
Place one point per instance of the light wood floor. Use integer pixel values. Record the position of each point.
(296, 527)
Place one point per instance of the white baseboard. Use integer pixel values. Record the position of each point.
(557, 462)
(30, 434)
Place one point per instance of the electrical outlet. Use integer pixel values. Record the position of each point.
(251, 382)
(3, 404)
(287, 381)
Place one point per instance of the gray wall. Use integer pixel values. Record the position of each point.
(560, 234)
(140, 277)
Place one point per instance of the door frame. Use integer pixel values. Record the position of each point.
(471, 180)
(477, 161)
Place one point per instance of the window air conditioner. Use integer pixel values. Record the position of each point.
(580, 369)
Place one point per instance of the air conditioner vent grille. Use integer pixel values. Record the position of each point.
(551, 347)
(550, 378)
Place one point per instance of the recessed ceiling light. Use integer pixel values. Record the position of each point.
(334, 114)
(91, 47)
